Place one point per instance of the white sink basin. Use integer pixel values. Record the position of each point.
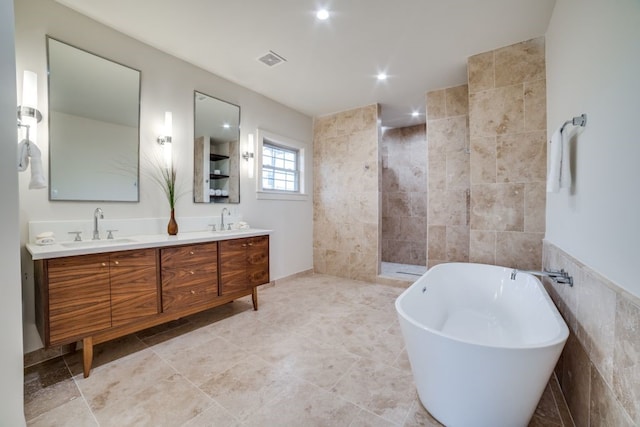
(94, 243)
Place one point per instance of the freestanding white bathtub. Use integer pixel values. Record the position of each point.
(482, 347)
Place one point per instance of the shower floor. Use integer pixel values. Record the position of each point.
(402, 271)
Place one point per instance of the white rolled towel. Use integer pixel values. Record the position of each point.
(37, 175)
(23, 155)
(45, 241)
(555, 161)
(28, 149)
(565, 160)
(559, 173)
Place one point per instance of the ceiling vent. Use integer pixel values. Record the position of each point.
(271, 59)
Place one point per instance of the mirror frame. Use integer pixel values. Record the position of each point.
(137, 142)
(234, 158)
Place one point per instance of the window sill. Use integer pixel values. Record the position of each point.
(276, 195)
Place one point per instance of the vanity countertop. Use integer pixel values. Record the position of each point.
(85, 247)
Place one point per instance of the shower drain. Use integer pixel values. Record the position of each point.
(406, 272)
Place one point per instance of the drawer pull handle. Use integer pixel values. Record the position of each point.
(192, 272)
(104, 264)
(190, 252)
(117, 262)
(251, 244)
(244, 245)
(193, 292)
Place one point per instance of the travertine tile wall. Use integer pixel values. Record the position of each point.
(404, 195)
(448, 176)
(507, 121)
(599, 370)
(346, 198)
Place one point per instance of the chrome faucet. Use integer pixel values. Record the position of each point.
(222, 218)
(560, 276)
(97, 214)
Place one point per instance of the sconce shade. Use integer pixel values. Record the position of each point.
(28, 114)
(165, 139)
(167, 130)
(167, 155)
(168, 125)
(30, 89)
(248, 155)
(248, 152)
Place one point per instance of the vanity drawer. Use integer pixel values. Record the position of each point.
(184, 287)
(244, 263)
(189, 276)
(196, 255)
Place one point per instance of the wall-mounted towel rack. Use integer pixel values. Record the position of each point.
(580, 120)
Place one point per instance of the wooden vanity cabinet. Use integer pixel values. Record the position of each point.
(82, 295)
(100, 297)
(189, 276)
(134, 286)
(75, 307)
(258, 260)
(244, 264)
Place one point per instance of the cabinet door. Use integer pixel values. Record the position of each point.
(233, 266)
(189, 276)
(79, 297)
(258, 260)
(134, 285)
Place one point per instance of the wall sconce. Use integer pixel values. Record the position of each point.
(28, 114)
(248, 155)
(28, 118)
(165, 139)
(168, 129)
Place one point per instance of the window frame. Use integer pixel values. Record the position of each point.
(285, 143)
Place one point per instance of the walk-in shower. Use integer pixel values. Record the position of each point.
(404, 202)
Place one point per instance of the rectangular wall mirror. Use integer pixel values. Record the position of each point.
(94, 118)
(216, 150)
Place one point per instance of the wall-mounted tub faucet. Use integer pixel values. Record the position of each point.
(97, 214)
(560, 276)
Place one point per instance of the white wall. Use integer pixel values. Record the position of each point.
(11, 385)
(593, 67)
(167, 85)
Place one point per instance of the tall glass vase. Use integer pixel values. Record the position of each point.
(172, 228)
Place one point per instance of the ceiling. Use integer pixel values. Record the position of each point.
(330, 65)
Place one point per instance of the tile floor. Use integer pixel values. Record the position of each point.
(321, 351)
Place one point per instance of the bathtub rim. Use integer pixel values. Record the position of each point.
(560, 338)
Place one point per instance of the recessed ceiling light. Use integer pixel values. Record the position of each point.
(382, 76)
(415, 114)
(226, 126)
(322, 14)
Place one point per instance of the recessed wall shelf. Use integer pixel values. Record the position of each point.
(216, 157)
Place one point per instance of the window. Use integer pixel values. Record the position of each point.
(279, 168)
(281, 164)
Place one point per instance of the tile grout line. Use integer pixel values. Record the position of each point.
(84, 399)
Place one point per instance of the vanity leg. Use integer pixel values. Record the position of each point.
(254, 298)
(87, 355)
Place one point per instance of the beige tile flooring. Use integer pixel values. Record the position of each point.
(321, 351)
